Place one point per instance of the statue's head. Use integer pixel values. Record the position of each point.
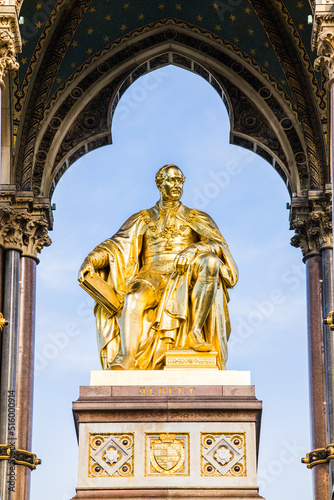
(169, 180)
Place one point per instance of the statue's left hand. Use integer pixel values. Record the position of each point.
(87, 267)
(182, 260)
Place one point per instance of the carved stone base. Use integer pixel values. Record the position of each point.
(167, 441)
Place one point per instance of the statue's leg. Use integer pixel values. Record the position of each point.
(140, 298)
(205, 275)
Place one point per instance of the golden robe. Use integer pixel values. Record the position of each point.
(173, 311)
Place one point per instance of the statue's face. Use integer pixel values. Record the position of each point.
(172, 185)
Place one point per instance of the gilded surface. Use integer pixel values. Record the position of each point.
(170, 269)
(223, 454)
(111, 455)
(167, 454)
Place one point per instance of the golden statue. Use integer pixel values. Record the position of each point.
(161, 283)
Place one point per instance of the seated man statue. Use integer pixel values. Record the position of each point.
(170, 268)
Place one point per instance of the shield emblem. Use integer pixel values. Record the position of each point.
(167, 455)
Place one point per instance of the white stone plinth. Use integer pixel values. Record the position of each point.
(173, 377)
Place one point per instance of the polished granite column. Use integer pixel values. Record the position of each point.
(8, 369)
(321, 479)
(25, 371)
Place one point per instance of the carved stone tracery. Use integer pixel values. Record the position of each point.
(7, 55)
(311, 218)
(10, 41)
(323, 40)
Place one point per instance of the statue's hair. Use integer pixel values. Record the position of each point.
(159, 177)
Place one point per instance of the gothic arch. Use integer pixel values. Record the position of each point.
(77, 120)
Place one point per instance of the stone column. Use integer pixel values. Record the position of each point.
(323, 45)
(24, 229)
(25, 371)
(311, 220)
(8, 369)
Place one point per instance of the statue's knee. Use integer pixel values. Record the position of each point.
(210, 263)
(138, 297)
(134, 300)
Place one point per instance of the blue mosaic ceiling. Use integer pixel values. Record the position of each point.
(106, 21)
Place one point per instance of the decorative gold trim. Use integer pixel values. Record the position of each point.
(153, 440)
(3, 321)
(330, 321)
(237, 440)
(123, 445)
(319, 456)
(19, 457)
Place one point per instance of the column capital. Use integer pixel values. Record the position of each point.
(24, 221)
(10, 41)
(311, 218)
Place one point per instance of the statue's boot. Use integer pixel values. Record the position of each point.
(123, 364)
(197, 343)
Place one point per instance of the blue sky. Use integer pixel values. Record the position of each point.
(174, 116)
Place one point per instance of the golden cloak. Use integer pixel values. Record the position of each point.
(172, 313)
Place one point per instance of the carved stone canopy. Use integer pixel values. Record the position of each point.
(10, 41)
(323, 38)
(24, 222)
(311, 218)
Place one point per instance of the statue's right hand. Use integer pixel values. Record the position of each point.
(87, 267)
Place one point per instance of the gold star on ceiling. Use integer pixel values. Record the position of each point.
(58, 80)
(215, 5)
(39, 24)
(266, 64)
(199, 18)
(126, 6)
(123, 27)
(266, 44)
(73, 65)
(92, 9)
(251, 32)
(90, 31)
(253, 52)
(161, 6)
(75, 43)
(283, 82)
(301, 26)
(178, 6)
(106, 38)
(218, 27)
(236, 40)
(24, 41)
(232, 17)
(247, 10)
(300, 5)
(38, 6)
(108, 17)
(24, 60)
(141, 16)
(89, 51)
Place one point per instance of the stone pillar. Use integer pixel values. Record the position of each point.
(311, 219)
(25, 371)
(24, 226)
(321, 483)
(8, 369)
(323, 45)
